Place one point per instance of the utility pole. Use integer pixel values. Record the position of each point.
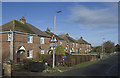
(12, 42)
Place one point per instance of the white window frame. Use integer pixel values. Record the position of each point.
(66, 48)
(76, 45)
(80, 49)
(42, 52)
(60, 42)
(73, 44)
(30, 53)
(76, 50)
(67, 43)
(42, 40)
(9, 37)
(31, 39)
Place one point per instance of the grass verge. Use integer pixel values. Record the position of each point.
(65, 68)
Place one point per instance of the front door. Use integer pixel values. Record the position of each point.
(18, 56)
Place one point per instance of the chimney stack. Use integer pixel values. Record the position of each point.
(81, 37)
(48, 29)
(67, 34)
(22, 20)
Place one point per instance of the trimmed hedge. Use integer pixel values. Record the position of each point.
(77, 59)
(45, 56)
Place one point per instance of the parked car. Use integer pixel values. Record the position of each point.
(59, 59)
(73, 53)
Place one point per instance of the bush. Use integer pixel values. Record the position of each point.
(26, 63)
(45, 56)
(37, 60)
(59, 50)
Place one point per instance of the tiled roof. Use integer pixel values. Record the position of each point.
(26, 28)
(81, 41)
(50, 33)
(67, 38)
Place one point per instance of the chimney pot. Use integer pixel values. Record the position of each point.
(67, 34)
(23, 20)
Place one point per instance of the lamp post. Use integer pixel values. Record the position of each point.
(103, 47)
(54, 32)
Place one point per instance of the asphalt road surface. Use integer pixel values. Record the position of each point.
(106, 67)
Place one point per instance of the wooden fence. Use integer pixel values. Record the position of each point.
(77, 59)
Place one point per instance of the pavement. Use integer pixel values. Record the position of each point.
(106, 67)
(0, 70)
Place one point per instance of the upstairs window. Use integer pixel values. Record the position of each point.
(76, 45)
(41, 40)
(67, 43)
(60, 42)
(29, 53)
(9, 37)
(30, 40)
(42, 52)
(73, 44)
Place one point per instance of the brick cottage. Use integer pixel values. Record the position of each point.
(24, 40)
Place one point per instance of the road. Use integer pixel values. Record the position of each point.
(106, 67)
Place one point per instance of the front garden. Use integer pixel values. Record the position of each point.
(68, 63)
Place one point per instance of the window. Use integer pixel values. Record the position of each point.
(9, 37)
(42, 52)
(76, 50)
(60, 42)
(30, 40)
(76, 45)
(66, 48)
(80, 48)
(73, 44)
(29, 53)
(73, 49)
(67, 43)
(41, 40)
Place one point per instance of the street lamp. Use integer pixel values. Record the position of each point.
(54, 45)
(103, 47)
(55, 19)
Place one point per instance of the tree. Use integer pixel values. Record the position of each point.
(59, 50)
(109, 47)
(97, 49)
(117, 48)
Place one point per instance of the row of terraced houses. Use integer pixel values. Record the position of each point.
(29, 41)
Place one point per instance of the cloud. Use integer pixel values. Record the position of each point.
(60, 0)
(93, 17)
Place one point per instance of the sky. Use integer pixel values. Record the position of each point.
(96, 22)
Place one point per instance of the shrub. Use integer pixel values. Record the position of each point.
(59, 50)
(37, 60)
(45, 56)
(26, 63)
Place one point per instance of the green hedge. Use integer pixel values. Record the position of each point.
(44, 56)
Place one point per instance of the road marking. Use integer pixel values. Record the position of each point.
(107, 72)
